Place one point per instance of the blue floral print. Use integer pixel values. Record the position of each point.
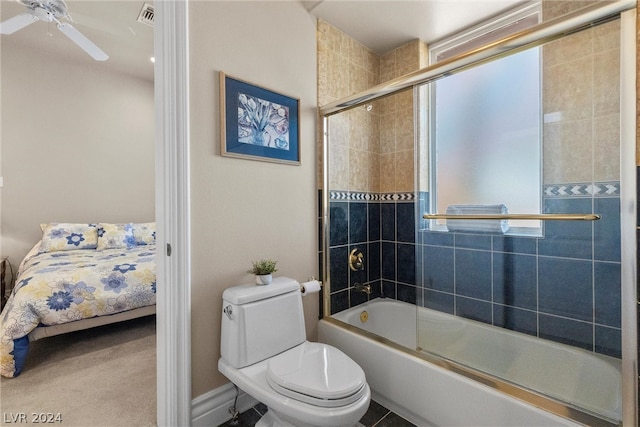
(114, 282)
(59, 301)
(123, 268)
(130, 241)
(75, 239)
(57, 233)
(79, 292)
(21, 283)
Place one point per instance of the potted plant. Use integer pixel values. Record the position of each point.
(263, 269)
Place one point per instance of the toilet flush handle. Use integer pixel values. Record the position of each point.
(228, 311)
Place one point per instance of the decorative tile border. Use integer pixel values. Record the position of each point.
(588, 189)
(574, 189)
(353, 196)
(398, 197)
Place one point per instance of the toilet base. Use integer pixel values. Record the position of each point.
(270, 419)
(273, 419)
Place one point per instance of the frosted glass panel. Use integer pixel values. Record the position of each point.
(487, 136)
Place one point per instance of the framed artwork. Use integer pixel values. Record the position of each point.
(257, 123)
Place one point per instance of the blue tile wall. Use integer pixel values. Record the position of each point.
(473, 309)
(606, 233)
(382, 227)
(437, 268)
(564, 286)
(358, 217)
(514, 280)
(567, 331)
(571, 239)
(339, 271)
(607, 290)
(509, 317)
(473, 274)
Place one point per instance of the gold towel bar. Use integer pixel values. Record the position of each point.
(544, 217)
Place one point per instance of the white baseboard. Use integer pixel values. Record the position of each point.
(212, 408)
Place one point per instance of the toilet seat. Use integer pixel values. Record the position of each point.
(317, 374)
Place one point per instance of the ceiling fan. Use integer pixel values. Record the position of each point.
(51, 11)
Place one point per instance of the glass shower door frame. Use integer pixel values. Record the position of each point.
(597, 13)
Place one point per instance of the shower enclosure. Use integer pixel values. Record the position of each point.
(509, 205)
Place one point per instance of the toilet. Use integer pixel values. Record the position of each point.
(266, 354)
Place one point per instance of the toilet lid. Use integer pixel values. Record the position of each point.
(316, 373)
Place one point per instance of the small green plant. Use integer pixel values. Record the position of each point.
(264, 266)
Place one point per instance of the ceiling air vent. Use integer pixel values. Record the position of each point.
(146, 14)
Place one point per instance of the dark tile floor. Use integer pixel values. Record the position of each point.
(376, 416)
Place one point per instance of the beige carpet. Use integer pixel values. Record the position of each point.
(104, 376)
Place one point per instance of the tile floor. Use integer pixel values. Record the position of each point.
(376, 416)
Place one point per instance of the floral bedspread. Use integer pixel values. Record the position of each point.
(65, 286)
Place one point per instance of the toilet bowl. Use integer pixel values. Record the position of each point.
(311, 384)
(266, 354)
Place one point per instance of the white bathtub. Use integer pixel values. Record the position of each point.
(428, 394)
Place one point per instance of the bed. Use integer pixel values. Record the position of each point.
(76, 277)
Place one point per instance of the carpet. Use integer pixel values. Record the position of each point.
(104, 376)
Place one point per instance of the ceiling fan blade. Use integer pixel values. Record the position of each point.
(87, 45)
(16, 23)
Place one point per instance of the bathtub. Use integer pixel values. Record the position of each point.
(434, 392)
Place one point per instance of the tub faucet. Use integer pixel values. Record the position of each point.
(362, 288)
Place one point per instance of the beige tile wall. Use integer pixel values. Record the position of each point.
(346, 67)
(397, 120)
(556, 8)
(638, 89)
(370, 150)
(373, 150)
(581, 91)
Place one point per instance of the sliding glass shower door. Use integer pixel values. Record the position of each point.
(519, 230)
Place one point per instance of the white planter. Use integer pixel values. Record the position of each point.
(263, 279)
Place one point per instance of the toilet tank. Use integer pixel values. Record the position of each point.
(260, 321)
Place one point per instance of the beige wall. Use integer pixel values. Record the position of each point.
(77, 146)
(242, 209)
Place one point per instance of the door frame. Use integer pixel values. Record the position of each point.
(173, 319)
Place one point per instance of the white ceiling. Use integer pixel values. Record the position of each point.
(381, 25)
(384, 25)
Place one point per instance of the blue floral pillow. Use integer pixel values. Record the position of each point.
(145, 233)
(67, 237)
(115, 236)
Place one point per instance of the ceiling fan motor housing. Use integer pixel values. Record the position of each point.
(46, 10)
